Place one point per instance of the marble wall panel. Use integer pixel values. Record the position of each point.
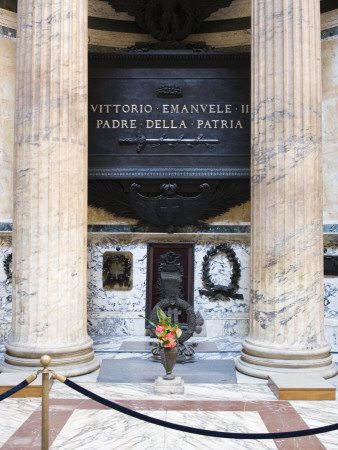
(5, 290)
(117, 312)
(331, 296)
(112, 311)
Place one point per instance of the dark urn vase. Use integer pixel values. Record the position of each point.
(168, 359)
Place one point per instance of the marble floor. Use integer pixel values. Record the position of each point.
(77, 422)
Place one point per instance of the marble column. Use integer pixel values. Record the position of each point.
(287, 308)
(50, 189)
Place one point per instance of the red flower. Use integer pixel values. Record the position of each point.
(170, 336)
(159, 328)
(170, 344)
(178, 332)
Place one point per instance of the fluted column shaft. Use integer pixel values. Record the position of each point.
(50, 188)
(287, 310)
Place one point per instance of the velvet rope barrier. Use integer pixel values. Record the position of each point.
(18, 387)
(185, 429)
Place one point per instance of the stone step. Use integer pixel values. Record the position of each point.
(301, 387)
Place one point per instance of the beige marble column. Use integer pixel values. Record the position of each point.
(287, 311)
(50, 189)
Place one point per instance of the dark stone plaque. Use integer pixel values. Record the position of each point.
(331, 265)
(178, 114)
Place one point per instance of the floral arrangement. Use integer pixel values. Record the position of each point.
(166, 332)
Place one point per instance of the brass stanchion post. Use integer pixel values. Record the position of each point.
(45, 360)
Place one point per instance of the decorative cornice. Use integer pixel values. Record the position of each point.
(328, 229)
(170, 172)
(157, 51)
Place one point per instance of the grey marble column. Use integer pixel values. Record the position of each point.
(287, 309)
(50, 189)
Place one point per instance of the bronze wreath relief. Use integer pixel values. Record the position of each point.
(121, 273)
(213, 289)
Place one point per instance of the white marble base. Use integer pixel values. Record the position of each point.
(175, 386)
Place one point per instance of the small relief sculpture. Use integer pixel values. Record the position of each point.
(212, 290)
(117, 270)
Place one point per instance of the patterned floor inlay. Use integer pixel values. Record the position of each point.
(85, 424)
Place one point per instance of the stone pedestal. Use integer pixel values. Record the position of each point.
(50, 190)
(174, 386)
(287, 308)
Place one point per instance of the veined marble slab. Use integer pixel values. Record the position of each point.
(88, 429)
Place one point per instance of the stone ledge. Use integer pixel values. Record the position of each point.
(301, 387)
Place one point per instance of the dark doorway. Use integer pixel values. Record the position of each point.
(170, 270)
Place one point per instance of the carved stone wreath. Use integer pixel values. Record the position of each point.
(123, 278)
(213, 289)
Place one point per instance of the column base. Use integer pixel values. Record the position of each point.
(259, 361)
(68, 361)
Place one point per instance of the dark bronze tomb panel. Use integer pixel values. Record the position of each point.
(169, 114)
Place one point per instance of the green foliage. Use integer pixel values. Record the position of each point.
(162, 317)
